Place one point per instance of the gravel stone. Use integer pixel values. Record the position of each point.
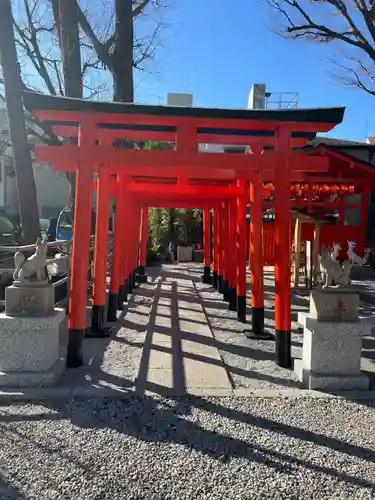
(251, 363)
(190, 448)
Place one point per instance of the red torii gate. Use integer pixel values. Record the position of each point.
(100, 125)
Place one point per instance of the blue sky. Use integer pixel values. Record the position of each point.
(218, 48)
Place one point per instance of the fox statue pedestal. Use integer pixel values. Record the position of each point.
(30, 327)
(36, 299)
(332, 341)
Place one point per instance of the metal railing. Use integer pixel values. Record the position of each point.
(65, 246)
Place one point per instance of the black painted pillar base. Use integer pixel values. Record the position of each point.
(141, 275)
(207, 278)
(74, 357)
(219, 283)
(214, 279)
(241, 309)
(134, 278)
(257, 330)
(226, 290)
(126, 298)
(98, 328)
(232, 299)
(112, 307)
(283, 340)
(141, 270)
(257, 314)
(122, 297)
(130, 283)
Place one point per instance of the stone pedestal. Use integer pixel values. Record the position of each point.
(30, 350)
(334, 304)
(332, 342)
(38, 300)
(184, 254)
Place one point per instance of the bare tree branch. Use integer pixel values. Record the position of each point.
(138, 9)
(99, 47)
(350, 23)
(31, 47)
(35, 47)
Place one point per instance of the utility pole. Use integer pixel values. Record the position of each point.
(27, 200)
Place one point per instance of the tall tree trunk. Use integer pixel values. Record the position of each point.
(123, 52)
(70, 47)
(66, 19)
(27, 198)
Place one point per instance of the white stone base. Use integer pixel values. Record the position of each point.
(331, 354)
(30, 348)
(330, 382)
(34, 379)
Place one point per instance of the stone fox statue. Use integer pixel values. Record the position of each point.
(334, 273)
(33, 268)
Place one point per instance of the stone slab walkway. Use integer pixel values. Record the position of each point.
(179, 355)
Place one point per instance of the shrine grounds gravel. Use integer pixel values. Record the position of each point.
(189, 448)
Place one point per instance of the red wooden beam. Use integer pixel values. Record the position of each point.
(183, 191)
(80, 249)
(180, 203)
(229, 175)
(173, 192)
(149, 135)
(241, 140)
(282, 253)
(256, 257)
(330, 152)
(122, 160)
(104, 133)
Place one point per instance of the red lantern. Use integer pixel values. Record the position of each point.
(316, 188)
(334, 188)
(351, 188)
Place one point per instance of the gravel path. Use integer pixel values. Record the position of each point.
(193, 448)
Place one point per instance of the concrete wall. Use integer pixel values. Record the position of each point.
(174, 99)
(2, 185)
(257, 96)
(52, 189)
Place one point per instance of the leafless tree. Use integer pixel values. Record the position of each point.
(345, 24)
(121, 50)
(110, 44)
(27, 201)
(76, 47)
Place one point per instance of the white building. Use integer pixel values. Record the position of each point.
(52, 188)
